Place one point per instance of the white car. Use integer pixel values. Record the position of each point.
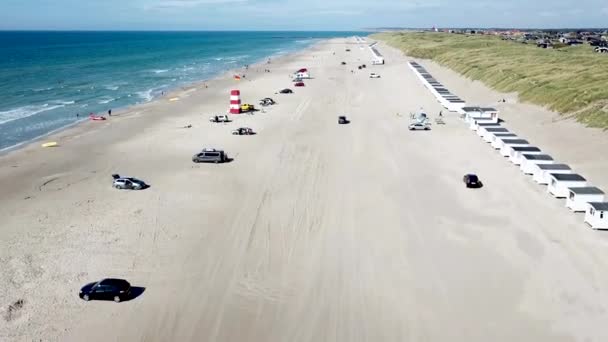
(418, 126)
(374, 75)
(219, 118)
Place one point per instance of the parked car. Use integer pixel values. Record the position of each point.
(267, 102)
(374, 75)
(106, 289)
(297, 79)
(210, 155)
(418, 126)
(342, 120)
(246, 107)
(128, 183)
(286, 91)
(472, 181)
(219, 118)
(299, 84)
(343, 63)
(601, 49)
(347, 50)
(243, 131)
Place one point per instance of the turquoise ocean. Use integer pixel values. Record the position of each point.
(46, 78)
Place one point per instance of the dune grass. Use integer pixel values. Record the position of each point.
(572, 81)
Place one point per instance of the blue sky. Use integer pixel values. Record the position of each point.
(296, 14)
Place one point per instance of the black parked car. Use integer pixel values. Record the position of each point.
(472, 181)
(342, 120)
(210, 156)
(106, 289)
(286, 91)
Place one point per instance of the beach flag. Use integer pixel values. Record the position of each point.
(237, 77)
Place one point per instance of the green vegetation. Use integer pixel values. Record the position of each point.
(571, 80)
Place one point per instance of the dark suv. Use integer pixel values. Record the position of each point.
(213, 156)
(106, 289)
(472, 181)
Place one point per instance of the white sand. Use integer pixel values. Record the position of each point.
(316, 232)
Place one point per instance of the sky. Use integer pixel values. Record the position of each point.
(297, 14)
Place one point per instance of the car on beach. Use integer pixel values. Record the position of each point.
(419, 126)
(243, 131)
(343, 63)
(246, 107)
(267, 102)
(342, 120)
(219, 118)
(374, 75)
(286, 91)
(472, 181)
(106, 289)
(299, 84)
(210, 155)
(128, 183)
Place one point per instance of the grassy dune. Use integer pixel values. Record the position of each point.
(572, 81)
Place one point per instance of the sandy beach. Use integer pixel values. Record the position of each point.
(316, 231)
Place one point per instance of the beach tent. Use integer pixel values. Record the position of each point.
(561, 182)
(596, 215)
(580, 196)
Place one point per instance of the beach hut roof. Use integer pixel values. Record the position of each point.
(515, 141)
(537, 157)
(602, 206)
(525, 149)
(554, 167)
(498, 130)
(586, 190)
(567, 177)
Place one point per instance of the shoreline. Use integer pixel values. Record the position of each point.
(170, 93)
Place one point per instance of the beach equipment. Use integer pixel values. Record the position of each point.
(237, 77)
(96, 117)
(235, 102)
(173, 99)
(50, 144)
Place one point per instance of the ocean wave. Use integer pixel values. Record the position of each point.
(26, 111)
(42, 89)
(160, 71)
(65, 103)
(106, 100)
(111, 87)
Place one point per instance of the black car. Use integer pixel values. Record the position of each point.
(342, 120)
(472, 181)
(107, 289)
(286, 91)
(343, 63)
(211, 156)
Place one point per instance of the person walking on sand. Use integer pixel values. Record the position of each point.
(109, 112)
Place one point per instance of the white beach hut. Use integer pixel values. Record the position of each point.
(528, 162)
(483, 130)
(475, 125)
(492, 136)
(516, 153)
(499, 142)
(561, 182)
(542, 172)
(487, 132)
(597, 215)
(508, 143)
(481, 114)
(580, 196)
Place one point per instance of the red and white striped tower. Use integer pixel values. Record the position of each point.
(235, 102)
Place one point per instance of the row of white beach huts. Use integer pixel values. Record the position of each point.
(561, 180)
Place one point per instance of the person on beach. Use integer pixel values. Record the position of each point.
(109, 112)
(77, 115)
